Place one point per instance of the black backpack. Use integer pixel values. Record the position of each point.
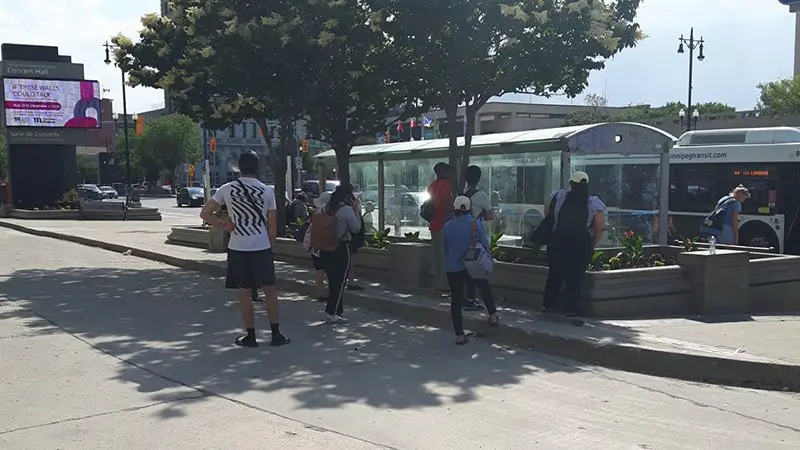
(573, 216)
(469, 193)
(713, 223)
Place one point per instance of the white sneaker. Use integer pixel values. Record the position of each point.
(333, 320)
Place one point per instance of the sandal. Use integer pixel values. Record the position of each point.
(246, 341)
(283, 340)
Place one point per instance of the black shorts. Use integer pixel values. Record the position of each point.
(318, 265)
(250, 270)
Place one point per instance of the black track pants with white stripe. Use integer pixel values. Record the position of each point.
(337, 267)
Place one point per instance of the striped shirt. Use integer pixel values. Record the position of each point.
(251, 232)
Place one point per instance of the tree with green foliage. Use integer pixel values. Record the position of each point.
(355, 76)
(3, 158)
(465, 52)
(167, 142)
(204, 56)
(780, 98)
(586, 116)
(225, 61)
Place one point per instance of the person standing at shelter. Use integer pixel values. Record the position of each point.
(578, 225)
(251, 205)
(459, 234)
(482, 211)
(332, 236)
(442, 198)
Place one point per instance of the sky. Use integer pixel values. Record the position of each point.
(748, 42)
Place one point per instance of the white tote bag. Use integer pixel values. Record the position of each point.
(478, 261)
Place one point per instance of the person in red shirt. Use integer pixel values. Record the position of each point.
(442, 195)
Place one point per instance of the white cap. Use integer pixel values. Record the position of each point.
(462, 203)
(579, 177)
(322, 200)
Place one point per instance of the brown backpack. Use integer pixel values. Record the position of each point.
(323, 232)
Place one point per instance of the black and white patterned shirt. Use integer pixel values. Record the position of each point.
(250, 233)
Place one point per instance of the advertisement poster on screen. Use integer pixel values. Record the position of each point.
(52, 103)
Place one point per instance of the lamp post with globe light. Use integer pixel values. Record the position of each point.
(692, 121)
(691, 43)
(128, 190)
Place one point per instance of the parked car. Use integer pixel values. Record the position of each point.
(89, 192)
(191, 196)
(109, 192)
(311, 187)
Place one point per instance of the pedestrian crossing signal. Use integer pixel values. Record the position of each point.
(212, 145)
(304, 146)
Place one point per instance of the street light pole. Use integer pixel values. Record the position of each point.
(128, 190)
(692, 44)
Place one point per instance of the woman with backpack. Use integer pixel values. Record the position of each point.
(578, 224)
(332, 230)
(731, 207)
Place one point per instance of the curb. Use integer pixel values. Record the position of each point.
(683, 366)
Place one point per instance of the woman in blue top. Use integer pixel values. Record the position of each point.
(457, 239)
(730, 230)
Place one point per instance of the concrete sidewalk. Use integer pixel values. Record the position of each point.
(759, 352)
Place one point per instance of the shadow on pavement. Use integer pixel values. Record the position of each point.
(180, 325)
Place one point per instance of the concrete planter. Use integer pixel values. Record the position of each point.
(654, 291)
(189, 236)
(409, 266)
(774, 283)
(521, 284)
(291, 251)
(51, 214)
(217, 240)
(646, 292)
(372, 264)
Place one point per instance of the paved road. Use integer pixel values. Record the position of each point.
(101, 350)
(171, 212)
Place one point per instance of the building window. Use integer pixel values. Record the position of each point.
(232, 131)
(253, 130)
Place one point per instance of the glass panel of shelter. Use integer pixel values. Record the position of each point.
(629, 187)
(364, 177)
(518, 185)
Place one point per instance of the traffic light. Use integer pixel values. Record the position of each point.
(388, 136)
(212, 144)
(304, 146)
(138, 125)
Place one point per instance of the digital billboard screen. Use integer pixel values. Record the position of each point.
(52, 103)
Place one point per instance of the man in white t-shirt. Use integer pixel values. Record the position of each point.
(251, 207)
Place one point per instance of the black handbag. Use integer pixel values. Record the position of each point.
(544, 232)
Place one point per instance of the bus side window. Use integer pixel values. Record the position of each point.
(692, 188)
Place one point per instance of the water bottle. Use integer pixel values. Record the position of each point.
(712, 245)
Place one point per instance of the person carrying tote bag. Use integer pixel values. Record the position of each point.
(463, 239)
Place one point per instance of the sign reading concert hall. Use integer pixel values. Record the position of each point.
(52, 103)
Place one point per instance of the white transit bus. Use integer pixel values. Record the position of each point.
(706, 165)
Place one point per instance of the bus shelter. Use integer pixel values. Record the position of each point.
(627, 164)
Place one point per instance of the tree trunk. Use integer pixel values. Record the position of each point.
(469, 115)
(342, 162)
(451, 111)
(278, 165)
